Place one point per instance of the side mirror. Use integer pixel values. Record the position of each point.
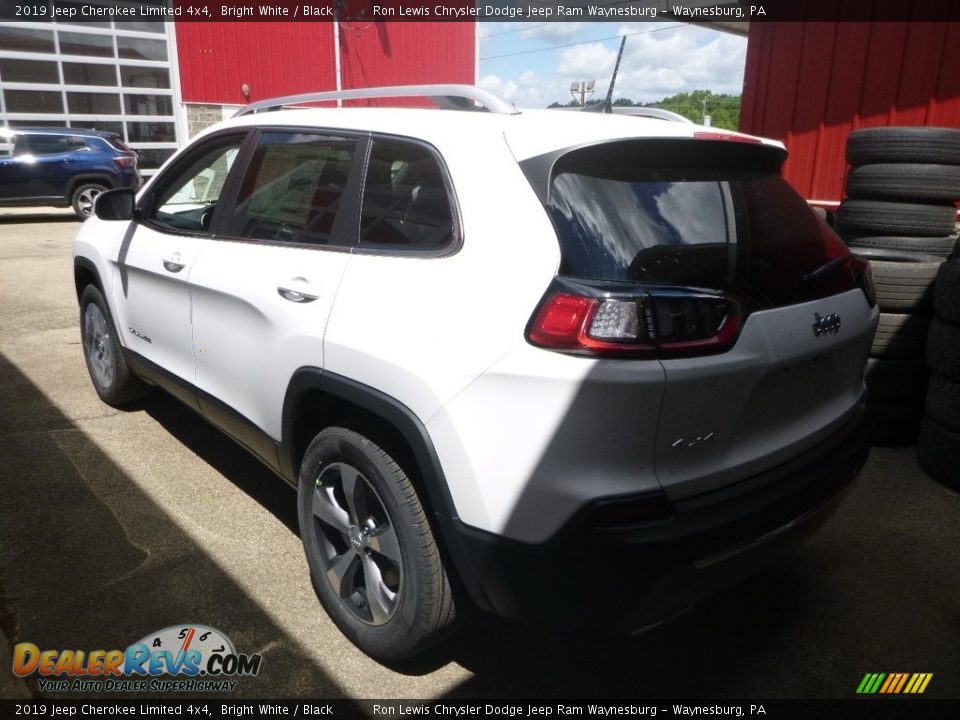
(115, 204)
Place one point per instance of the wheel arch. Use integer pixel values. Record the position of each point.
(100, 179)
(316, 399)
(86, 273)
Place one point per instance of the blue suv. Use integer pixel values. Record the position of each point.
(63, 167)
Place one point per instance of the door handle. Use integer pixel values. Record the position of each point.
(173, 263)
(298, 290)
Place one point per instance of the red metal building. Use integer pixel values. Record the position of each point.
(219, 61)
(810, 83)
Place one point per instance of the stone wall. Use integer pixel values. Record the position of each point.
(200, 117)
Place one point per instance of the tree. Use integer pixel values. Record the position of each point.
(724, 110)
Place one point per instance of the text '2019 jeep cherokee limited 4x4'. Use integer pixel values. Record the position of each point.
(566, 367)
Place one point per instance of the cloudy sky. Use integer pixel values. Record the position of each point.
(533, 64)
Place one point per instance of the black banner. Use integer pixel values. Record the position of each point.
(874, 708)
(699, 11)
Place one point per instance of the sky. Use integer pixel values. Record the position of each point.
(533, 64)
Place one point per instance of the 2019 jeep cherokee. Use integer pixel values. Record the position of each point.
(538, 362)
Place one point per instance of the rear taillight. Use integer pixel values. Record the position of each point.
(650, 323)
(126, 162)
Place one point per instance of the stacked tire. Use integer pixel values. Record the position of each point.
(900, 214)
(938, 448)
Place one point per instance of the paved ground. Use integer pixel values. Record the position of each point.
(114, 524)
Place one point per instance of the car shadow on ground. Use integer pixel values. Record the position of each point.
(38, 217)
(807, 627)
(88, 560)
(698, 654)
(226, 457)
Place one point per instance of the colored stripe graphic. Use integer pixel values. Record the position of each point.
(894, 683)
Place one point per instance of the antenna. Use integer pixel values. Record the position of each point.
(608, 103)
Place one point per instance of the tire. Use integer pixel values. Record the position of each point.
(943, 402)
(903, 280)
(111, 377)
(83, 198)
(380, 540)
(895, 425)
(946, 292)
(904, 145)
(922, 183)
(877, 217)
(938, 450)
(895, 381)
(943, 349)
(940, 246)
(900, 335)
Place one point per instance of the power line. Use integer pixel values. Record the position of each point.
(582, 42)
(515, 30)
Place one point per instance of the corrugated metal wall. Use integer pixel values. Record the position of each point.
(273, 58)
(276, 58)
(810, 84)
(407, 53)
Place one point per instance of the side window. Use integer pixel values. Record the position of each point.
(187, 199)
(23, 145)
(293, 188)
(49, 145)
(405, 201)
(75, 143)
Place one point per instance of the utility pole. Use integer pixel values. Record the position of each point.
(582, 90)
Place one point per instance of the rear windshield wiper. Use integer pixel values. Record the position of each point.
(825, 269)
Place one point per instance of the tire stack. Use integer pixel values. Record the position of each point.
(900, 214)
(938, 448)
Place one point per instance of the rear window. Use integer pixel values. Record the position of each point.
(119, 144)
(713, 215)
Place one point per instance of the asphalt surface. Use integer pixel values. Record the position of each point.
(114, 524)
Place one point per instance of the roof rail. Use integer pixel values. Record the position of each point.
(448, 97)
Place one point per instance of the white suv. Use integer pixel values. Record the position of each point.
(568, 367)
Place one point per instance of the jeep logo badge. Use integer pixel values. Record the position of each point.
(826, 324)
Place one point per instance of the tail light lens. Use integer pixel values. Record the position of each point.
(651, 323)
(125, 161)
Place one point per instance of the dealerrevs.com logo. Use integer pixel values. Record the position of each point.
(202, 659)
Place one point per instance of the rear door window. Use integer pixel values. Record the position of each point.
(406, 205)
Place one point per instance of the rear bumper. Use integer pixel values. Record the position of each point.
(636, 575)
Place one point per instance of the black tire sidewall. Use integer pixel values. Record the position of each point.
(391, 640)
(943, 349)
(903, 144)
(112, 394)
(879, 217)
(905, 182)
(941, 246)
(946, 292)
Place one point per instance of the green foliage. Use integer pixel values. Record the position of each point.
(724, 110)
